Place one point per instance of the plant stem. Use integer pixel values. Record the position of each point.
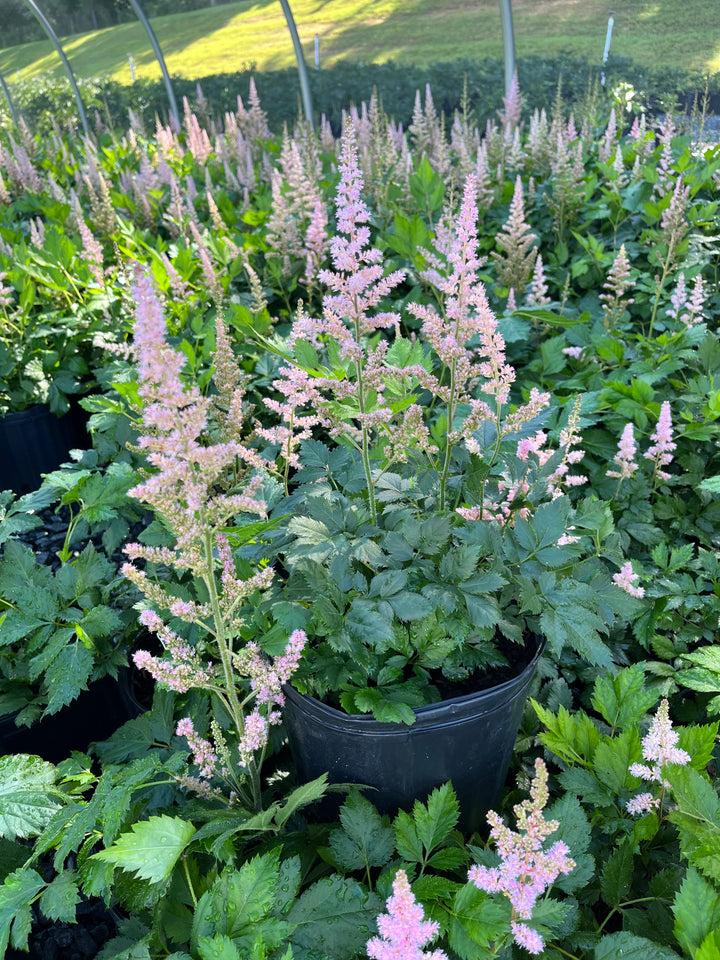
(189, 882)
(362, 405)
(226, 660)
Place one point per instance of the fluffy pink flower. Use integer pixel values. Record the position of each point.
(661, 451)
(526, 937)
(642, 803)
(659, 746)
(403, 929)
(204, 755)
(526, 868)
(626, 580)
(625, 457)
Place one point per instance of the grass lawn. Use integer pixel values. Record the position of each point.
(678, 33)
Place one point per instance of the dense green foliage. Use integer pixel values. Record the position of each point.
(47, 100)
(619, 570)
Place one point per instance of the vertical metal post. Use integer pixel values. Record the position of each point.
(607, 45)
(302, 69)
(6, 91)
(508, 43)
(159, 55)
(45, 23)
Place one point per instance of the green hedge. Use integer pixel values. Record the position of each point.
(46, 100)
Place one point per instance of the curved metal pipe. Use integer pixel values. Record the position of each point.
(159, 56)
(302, 68)
(45, 23)
(6, 91)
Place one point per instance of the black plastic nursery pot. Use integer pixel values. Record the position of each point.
(94, 715)
(35, 441)
(467, 740)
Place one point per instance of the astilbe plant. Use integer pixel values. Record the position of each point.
(197, 488)
(404, 931)
(527, 868)
(516, 260)
(397, 436)
(659, 747)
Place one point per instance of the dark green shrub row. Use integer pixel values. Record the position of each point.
(45, 100)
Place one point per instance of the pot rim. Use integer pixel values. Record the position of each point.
(428, 715)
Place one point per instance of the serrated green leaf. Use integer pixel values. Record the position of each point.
(60, 898)
(696, 910)
(151, 849)
(699, 742)
(218, 947)
(477, 922)
(623, 699)
(448, 859)
(67, 676)
(613, 757)
(308, 530)
(616, 876)
(436, 820)
(629, 947)
(16, 895)
(301, 797)
(335, 917)
(582, 783)
(574, 831)
(572, 737)
(697, 817)
(27, 795)
(459, 564)
(430, 888)
(710, 947)
(239, 903)
(363, 840)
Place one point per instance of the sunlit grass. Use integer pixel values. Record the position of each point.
(244, 34)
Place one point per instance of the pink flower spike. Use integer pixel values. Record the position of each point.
(661, 451)
(403, 929)
(659, 746)
(625, 457)
(526, 937)
(526, 868)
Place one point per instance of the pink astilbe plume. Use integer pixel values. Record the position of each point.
(526, 867)
(453, 270)
(568, 189)
(613, 299)
(687, 309)
(404, 931)
(198, 488)
(538, 296)
(659, 747)
(513, 102)
(625, 457)
(515, 262)
(661, 450)
(356, 283)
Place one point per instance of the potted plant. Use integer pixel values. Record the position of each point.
(51, 304)
(427, 539)
(65, 627)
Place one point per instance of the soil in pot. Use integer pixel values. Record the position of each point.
(467, 740)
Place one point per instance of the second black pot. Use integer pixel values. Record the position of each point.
(94, 715)
(34, 441)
